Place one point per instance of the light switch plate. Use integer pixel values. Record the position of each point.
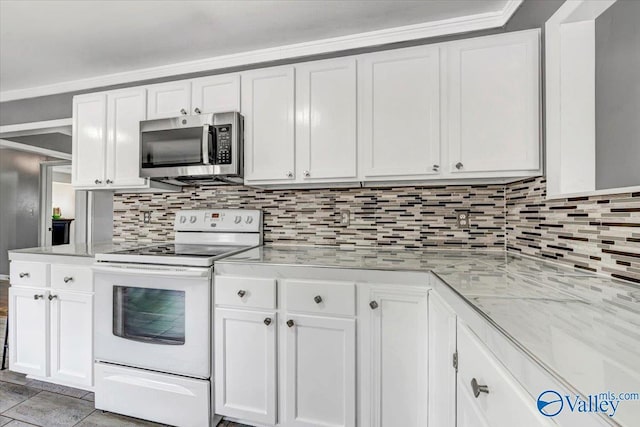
(345, 218)
(146, 217)
(463, 219)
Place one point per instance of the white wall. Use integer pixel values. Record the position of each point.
(63, 196)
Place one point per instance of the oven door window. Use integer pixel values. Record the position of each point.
(176, 147)
(154, 316)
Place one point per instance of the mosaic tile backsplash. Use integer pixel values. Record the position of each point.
(599, 233)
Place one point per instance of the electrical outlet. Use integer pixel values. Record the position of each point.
(345, 218)
(463, 219)
(146, 217)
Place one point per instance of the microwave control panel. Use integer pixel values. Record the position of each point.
(223, 144)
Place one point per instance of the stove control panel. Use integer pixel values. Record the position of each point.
(219, 220)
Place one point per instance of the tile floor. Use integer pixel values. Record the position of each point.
(25, 402)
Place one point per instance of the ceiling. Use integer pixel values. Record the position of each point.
(48, 42)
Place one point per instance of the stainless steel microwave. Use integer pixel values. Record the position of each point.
(184, 149)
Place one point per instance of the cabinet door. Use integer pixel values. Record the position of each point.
(168, 99)
(319, 370)
(493, 103)
(399, 120)
(442, 374)
(268, 109)
(89, 140)
(28, 338)
(393, 362)
(326, 120)
(125, 110)
(215, 94)
(245, 365)
(72, 337)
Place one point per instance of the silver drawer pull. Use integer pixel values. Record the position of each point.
(267, 321)
(290, 323)
(52, 297)
(317, 299)
(37, 297)
(242, 293)
(478, 388)
(373, 305)
(23, 275)
(68, 279)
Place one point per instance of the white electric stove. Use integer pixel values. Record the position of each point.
(153, 322)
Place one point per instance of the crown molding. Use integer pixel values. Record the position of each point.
(425, 30)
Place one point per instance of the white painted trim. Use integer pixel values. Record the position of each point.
(62, 126)
(4, 277)
(605, 192)
(570, 98)
(481, 21)
(32, 149)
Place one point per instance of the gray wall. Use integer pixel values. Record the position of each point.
(618, 96)
(531, 14)
(19, 202)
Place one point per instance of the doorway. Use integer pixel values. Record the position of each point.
(58, 213)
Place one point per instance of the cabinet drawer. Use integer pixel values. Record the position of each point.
(245, 292)
(506, 400)
(29, 273)
(71, 277)
(320, 297)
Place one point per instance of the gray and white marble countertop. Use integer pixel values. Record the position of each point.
(77, 249)
(581, 327)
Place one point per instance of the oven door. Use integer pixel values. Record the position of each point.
(154, 317)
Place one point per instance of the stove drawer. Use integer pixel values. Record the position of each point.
(71, 277)
(320, 297)
(245, 292)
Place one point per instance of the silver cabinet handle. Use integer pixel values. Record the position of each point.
(109, 181)
(23, 275)
(373, 305)
(317, 299)
(459, 165)
(183, 111)
(436, 168)
(306, 174)
(477, 388)
(97, 181)
(52, 297)
(68, 279)
(290, 323)
(242, 293)
(37, 297)
(289, 174)
(197, 110)
(267, 321)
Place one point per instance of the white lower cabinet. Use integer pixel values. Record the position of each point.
(71, 328)
(28, 321)
(487, 394)
(319, 387)
(51, 329)
(245, 364)
(393, 335)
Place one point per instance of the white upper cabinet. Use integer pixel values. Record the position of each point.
(492, 105)
(89, 140)
(215, 94)
(268, 105)
(169, 99)
(125, 110)
(326, 120)
(399, 119)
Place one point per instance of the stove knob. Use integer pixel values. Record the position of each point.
(183, 219)
(249, 220)
(193, 219)
(237, 219)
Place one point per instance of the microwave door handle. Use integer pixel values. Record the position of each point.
(206, 144)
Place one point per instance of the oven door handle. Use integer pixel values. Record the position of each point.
(169, 272)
